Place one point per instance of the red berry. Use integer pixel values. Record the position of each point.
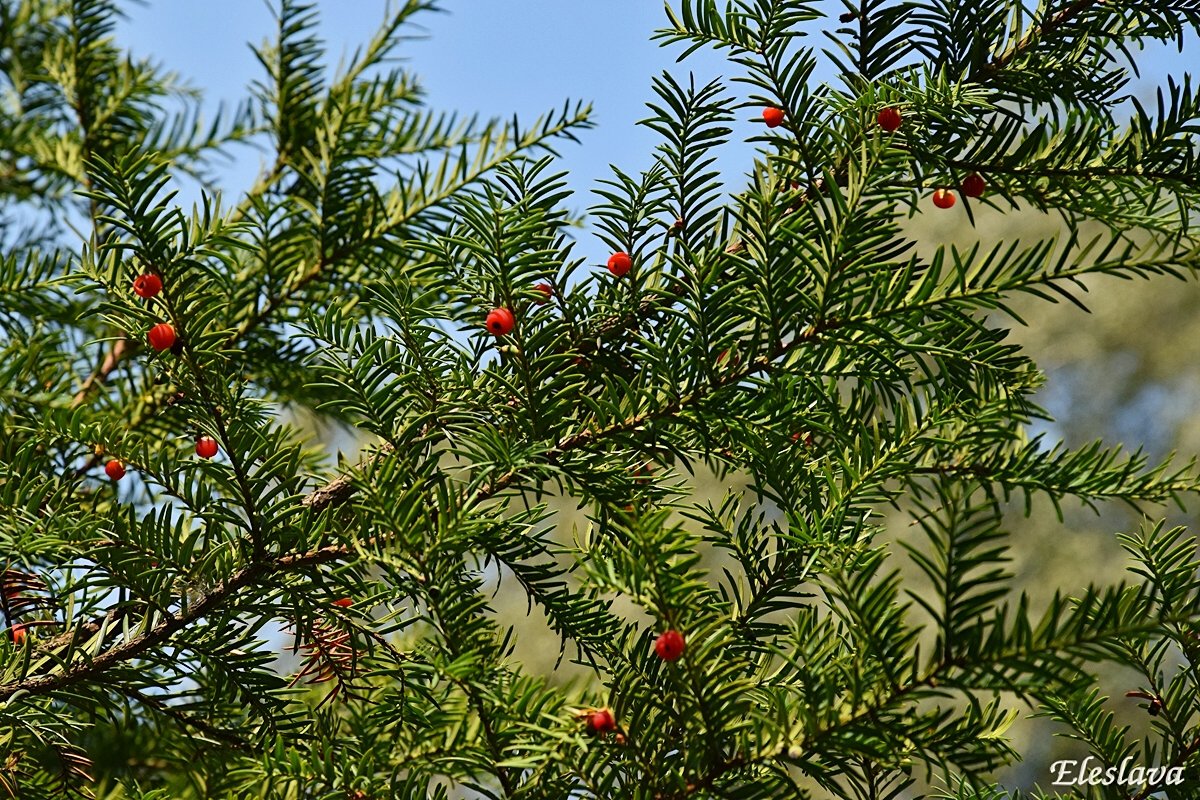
(601, 721)
(619, 264)
(147, 285)
(804, 436)
(725, 358)
(546, 290)
(114, 469)
(206, 447)
(889, 119)
(773, 117)
(973, 185)
(18, 633)
(669, 645)
(944, 198)
(344, 602)
(500, 321)
(162, 336)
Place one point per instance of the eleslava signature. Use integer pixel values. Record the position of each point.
(1079, 773)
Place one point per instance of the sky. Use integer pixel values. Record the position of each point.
(492, 57)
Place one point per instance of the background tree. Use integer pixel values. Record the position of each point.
(413, 276)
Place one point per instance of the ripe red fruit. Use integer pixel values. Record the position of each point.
(773, 117)
(944, 198)
(500, 321)
(162, 336)
(973, 185)
(804, 436)
(619, 264)
(601, 721)
(546, 290)
(344, 602)
(726, 358)
(670, 645)
(114, 469)
(889, 119)
(147, 285)
(18, 633)
(206, 447)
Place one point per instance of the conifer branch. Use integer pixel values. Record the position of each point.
(797, 333)
(935, 678)
(1182, 756)
(1040, 32)
(188, 721)
(1033, 171)
(339, 491)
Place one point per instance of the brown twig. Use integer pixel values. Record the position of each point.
(187, 720)
(120, 348)
(1034, 35)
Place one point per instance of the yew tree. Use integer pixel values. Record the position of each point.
(200, 600)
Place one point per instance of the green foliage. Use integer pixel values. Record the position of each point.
(270, 624)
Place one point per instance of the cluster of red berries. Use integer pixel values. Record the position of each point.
(973, 185)
(890, 120)
(161, 337)
(669, 646)
(501, 321)
(206, 447)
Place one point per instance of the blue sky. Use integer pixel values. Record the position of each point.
(494, 57)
